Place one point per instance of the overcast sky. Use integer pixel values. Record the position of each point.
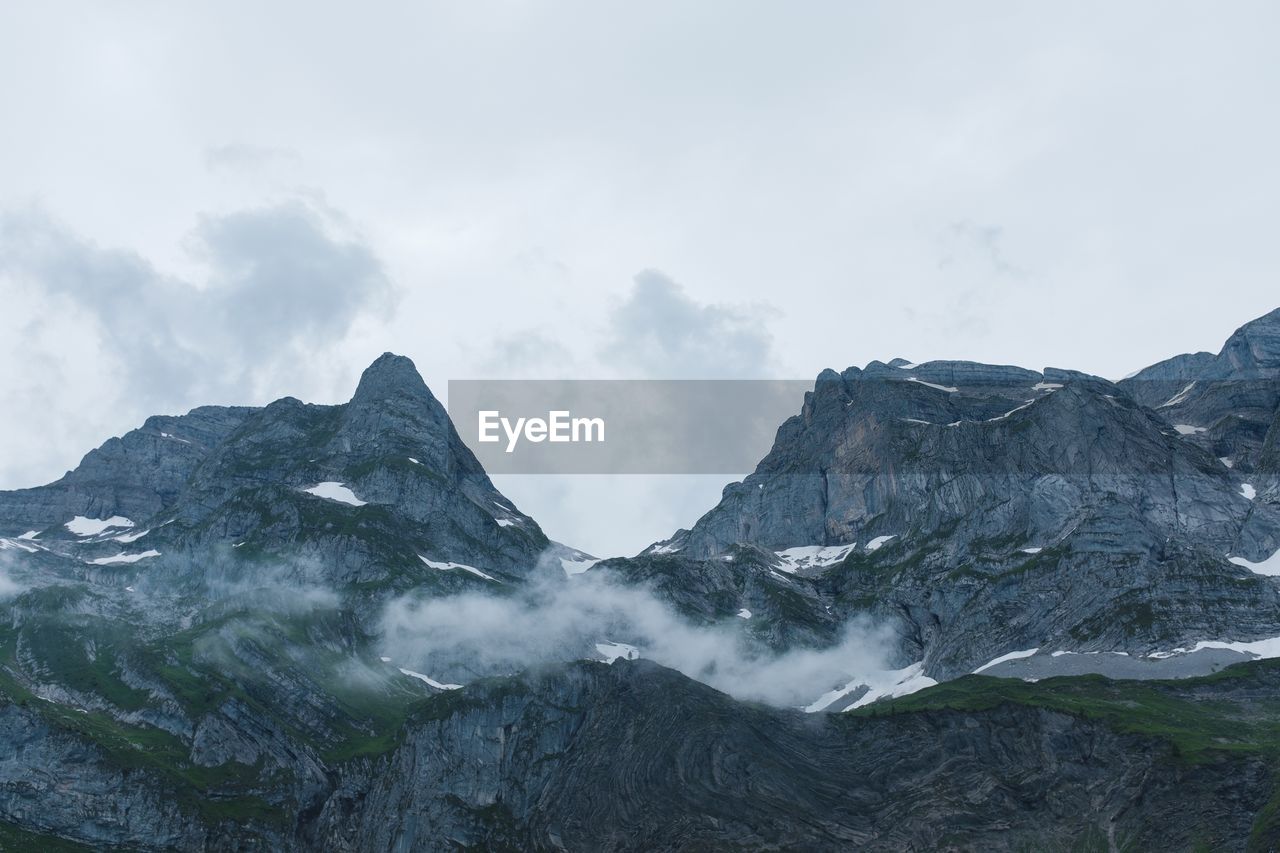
(230, 202)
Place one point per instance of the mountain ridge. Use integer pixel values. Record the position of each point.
(196, 635)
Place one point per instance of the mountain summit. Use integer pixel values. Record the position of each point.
(986, 510)
(367, 489)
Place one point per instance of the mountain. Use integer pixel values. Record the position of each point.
(191, 623)
(705, 772)
(302, 627)
(986, 510)
(1225, 403)
(533, 763)
(363, 493)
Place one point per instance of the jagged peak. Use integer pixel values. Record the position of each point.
(1271, 318)
(390, 375)
(1253, 347)
(1261, 339)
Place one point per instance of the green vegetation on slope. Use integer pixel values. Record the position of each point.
(1194, 725)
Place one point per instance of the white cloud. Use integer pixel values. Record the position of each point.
(473, 635)
(661, 332)
(8, 586)
(282, 286)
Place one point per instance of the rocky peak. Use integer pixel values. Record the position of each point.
(1254, 348)
(393, 411)
(1224, 403)
(391, 376)
(1252, 351)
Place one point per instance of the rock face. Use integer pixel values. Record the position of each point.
(635, 757)
(136, 476)
(533, 764)
(985, 509)
(1226, 403)
(1229, 405)
(408, 488)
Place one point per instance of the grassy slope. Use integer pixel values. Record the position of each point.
(1170, 710)
(1240, 717)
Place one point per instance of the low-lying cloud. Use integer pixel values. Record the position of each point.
(8, 586)
(462, 637)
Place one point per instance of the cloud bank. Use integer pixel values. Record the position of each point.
(103, 338)
(463, 637)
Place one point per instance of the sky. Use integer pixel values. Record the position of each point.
(232, 202)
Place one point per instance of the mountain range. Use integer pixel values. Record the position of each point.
(956, 606)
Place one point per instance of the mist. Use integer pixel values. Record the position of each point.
(8, 586)
(462, 637)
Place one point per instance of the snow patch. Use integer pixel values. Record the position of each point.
(1032, 550)
(1269, 567)
(82, 526)
(7, 544)
(29, 535)
(1260, 649)
(429, 680)
(444, 567)
(1263, 649)
(1026, 653)
(1177, 398)
(664, 548)
(612, 651)
(1226, 460)
(812, 556)
(124, 558)
(126, 538)
(744, 613)
(1010, 412)
(881, 684)
(414, 461)
(1188, 429)
(877, 543)
(1247, 491)
(946, 388)
(335, 492)
(1046, 386)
